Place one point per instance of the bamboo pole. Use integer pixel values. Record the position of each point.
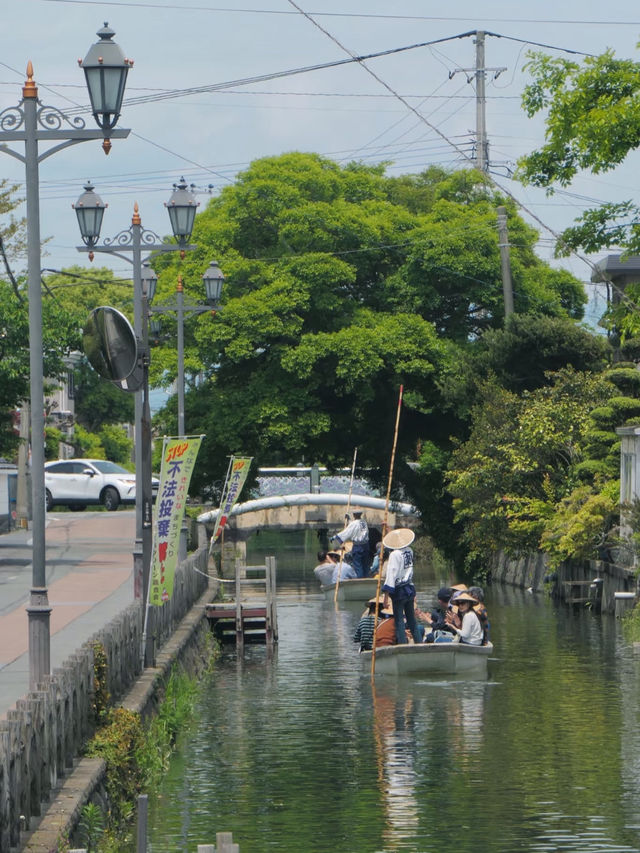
(384, 529)
(353, 470)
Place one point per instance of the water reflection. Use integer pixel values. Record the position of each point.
(304, 753)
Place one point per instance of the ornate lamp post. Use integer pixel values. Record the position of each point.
(130, 245)
(213, 279)
(31, 123)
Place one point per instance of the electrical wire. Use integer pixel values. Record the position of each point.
(320, 14)
(275, 75)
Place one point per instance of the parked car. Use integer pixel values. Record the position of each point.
(77, 483)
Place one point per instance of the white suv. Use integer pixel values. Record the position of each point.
(78, 482)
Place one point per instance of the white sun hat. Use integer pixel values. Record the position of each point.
(399, 538)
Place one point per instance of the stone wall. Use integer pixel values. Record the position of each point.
(531, 570)
(45, 732)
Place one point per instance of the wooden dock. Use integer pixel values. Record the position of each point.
(580, 592)
(249, 618)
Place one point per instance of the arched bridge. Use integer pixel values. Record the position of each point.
(316, 511)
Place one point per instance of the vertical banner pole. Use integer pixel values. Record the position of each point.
(384, 528)
(353, 470)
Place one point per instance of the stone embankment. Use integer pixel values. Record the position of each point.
(43, 784)
(570, 582)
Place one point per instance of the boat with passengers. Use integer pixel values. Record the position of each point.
(428, 658)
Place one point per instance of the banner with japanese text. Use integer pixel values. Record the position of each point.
(238, 470)
(178, 461)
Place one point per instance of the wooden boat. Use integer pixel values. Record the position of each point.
(352, 589)
(427, 658)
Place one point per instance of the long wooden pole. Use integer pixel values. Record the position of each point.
(384, 529)
(353, 470)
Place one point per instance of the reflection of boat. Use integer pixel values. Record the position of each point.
(352, 589)
(428, 657)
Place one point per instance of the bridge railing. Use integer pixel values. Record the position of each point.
(310, 480)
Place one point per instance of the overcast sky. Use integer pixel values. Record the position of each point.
(341, 112)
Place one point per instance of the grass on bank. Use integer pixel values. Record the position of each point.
(631, 624)
(137, 755)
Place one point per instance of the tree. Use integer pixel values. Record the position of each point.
(60, 336)
(99, 402)
(341, 284)
(592, 122)
(521, 461)
(530, 346)
(77, 291)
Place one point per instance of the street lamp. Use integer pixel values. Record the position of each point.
(31, 122)
(213, 279)
(181, 208)
(89, 210)
(105, 69)
(133, 241)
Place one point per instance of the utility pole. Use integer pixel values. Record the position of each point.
(503, 237)
(482, 144)
(479, 74)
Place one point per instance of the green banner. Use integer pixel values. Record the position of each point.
(178, 461)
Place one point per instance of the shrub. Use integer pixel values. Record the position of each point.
(117, 444)
(119, 743)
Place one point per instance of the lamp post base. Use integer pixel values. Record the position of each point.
(39, 613)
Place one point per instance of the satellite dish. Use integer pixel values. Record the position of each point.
(110, 344)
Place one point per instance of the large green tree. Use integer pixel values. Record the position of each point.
(341, 285)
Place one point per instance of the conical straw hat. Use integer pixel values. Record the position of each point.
(399, 538)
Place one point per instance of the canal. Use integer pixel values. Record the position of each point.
(303, 753)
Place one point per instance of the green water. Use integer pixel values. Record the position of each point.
(301, 752)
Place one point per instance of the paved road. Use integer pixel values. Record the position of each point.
(90, 580)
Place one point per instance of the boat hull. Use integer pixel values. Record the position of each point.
(427, 658)
(353, 589)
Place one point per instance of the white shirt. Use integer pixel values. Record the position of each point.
(471, 631)
(355, 532)
(399, 567)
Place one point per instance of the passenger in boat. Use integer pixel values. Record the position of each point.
(343, 571)
(481, 611)
(386, 630)
(470, 631)
(357, 532)
(375, 565)
(327, 563)
(398, 583)
(364, 632)
(436, 619)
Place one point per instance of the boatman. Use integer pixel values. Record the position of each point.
(398, 583)
(358, 533)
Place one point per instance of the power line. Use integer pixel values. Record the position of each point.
(260, 78)
(456, 147)
(365, 15)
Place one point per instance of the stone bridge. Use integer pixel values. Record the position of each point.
(320, 512)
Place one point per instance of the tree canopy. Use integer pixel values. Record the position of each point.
(342, 284)
(592, 122)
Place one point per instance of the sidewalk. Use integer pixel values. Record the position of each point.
(90, 580)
